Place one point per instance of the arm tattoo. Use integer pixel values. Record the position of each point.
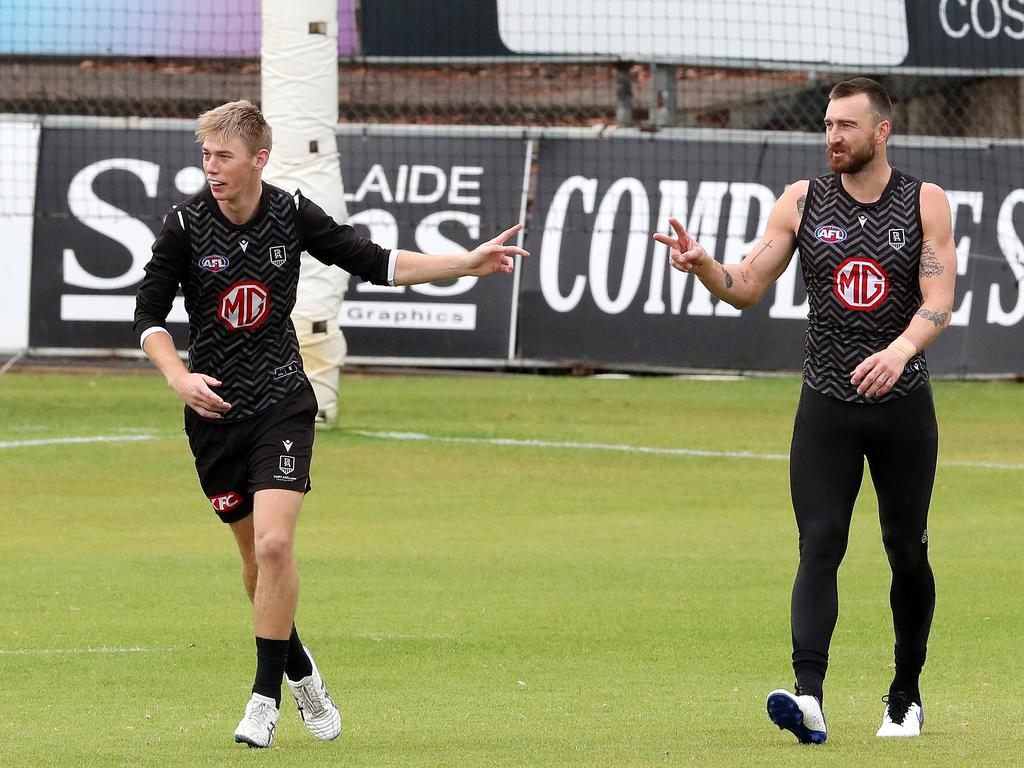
(728, 277)
(939, 318)
(800, 203)
(930, 264)
(764, 248)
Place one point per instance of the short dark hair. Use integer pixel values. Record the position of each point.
(881, 105)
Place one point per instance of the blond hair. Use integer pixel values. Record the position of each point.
(236, 118)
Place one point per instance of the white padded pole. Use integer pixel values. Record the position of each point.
(299, 61)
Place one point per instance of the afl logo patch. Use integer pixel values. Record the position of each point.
(830, 234)
(214, 263)
(860, 283)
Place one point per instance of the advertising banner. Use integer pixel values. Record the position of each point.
(19, 152)
(103, 193)
(101, 198)
(436, 195)
(966, 34)
(599, 289)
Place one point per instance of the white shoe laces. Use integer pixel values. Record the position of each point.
(314, 698)
(262, 715)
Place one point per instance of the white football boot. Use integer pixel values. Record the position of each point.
(799, 714)
(902, 717)
(259, 722)
(318, 711)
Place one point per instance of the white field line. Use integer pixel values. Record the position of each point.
(643, 449)
(511, 441)
(75, 440)
(77, 651)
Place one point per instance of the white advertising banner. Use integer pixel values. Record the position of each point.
(19, 155)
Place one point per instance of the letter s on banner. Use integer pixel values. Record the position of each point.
(383, 231)
(430, 240)
(551, 243)
(108, 220)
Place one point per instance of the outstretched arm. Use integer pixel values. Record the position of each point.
(487, 258)
(745, 283)
(937, 275)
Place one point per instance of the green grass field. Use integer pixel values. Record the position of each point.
(477, 604)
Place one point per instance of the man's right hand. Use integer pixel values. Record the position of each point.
(685, 253)
(194, 389)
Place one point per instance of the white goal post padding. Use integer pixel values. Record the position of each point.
(299, 62)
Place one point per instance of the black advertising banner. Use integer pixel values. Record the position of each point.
(102, 195)
(965, 34)
(598, 288)
(100, 200)
(439, 28)
(435, 195)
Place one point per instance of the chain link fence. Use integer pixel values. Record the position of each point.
(534, 94)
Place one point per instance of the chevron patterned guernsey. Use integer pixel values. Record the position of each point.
(239, 284)
(860, 265)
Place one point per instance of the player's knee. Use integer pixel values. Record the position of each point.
(823, 546)
(273, 550)
(905, 555)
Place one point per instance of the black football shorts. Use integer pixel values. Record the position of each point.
(272, 449)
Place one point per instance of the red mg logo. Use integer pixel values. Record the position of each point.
(244, 305)
(225, 502)
(860, 283)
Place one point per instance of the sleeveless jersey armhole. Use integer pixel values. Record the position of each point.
(918, 186)
(808, 199)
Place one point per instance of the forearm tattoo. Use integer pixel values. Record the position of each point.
(930, 264)
(728, 277)
(800, 203)
(764, 248)
(939, 318)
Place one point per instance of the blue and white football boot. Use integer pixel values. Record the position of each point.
(799, 714)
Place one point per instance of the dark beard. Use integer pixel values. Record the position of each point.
(852, 163)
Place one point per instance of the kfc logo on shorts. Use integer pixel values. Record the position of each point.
(860, 283)
(244, 305)
(225, 502)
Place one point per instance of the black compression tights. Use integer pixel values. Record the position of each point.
(831, 439)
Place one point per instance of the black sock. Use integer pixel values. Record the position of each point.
(299, 665)
(271, 656)
(907, 684)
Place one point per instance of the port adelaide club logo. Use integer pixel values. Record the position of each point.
(897, 238)
(278, 255)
